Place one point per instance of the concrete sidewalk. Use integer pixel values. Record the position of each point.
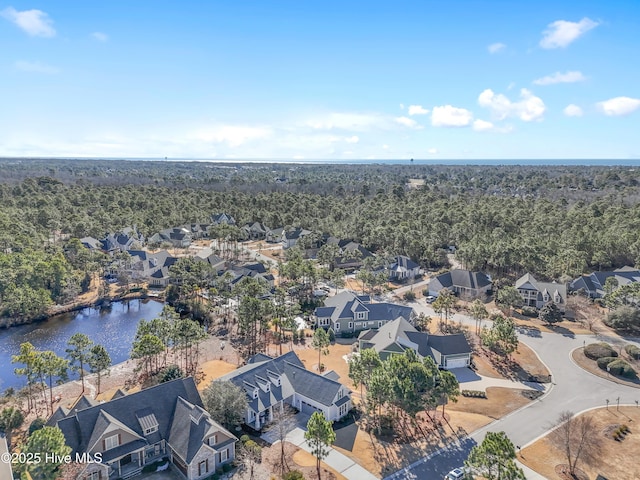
(336, 460)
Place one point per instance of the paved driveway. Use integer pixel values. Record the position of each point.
(573, 389)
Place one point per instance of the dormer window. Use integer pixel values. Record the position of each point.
(255, 393)
(361, 315)
(150, 430)
(556, 298)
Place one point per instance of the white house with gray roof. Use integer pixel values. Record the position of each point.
(593, 284)
(348, 312)
(537, 294)
(130, 431)
(448, 351)
(270, 382)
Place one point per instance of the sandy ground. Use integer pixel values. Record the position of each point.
(123, 376)
(613, 459)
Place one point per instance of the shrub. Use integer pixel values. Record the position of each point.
(227, 467)
(604, 362)
(293, 475)
(409, 296)
(169, 373)
(332, 335)
(474, 393)
(595, 351)
(621, 368)
(245, 438)
(530, 311)
(624, 318)
(633, 351)
(37, 424)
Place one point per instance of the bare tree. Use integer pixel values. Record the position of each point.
(283, 422)
(576, 437)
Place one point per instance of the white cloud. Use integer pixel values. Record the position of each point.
(572, 111)
(407, 122)
(449, 116)
(385, 147)
(561, 33)
(233, 135)
(619, 106)
(482, 126)
(348, 121)
(34, 22)
(417, 110)
(432, 151)
(568, 77)
(36, 67)
(101, 37)
(354, 139)
(485, 126)
(496, 47)
(528, 109)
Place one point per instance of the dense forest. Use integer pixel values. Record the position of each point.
(554, 221)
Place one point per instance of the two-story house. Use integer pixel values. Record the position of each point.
(349, 313)
(130, 431)
(403, 269)
(269, 383)
(537, 294)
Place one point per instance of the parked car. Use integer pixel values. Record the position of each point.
(456, 474)
(430, 299)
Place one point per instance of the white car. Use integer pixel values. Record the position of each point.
(455, 474)
(430, 299)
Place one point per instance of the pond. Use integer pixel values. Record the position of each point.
(113, 327)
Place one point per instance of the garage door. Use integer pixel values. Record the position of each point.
(309, 409)
(456, 363)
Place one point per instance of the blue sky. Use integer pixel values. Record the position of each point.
(447, 79)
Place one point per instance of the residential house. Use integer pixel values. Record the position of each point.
(256, 231)
(131, 431)
(222, 219)
(403, 269)
(178, 237)
(537, 294)
(274, 235)
(124, 240)
(198, 230)
(347, 313)
(207, 255)
(593, 284)
(448, 351)
(291, 237)
(351, 254)
(269, 383)
(463, 283)
(91, 243)
(251, 270)
(152, 268)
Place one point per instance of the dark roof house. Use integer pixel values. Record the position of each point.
(593, 284)
(537, 294)
(271, 382)
(464, 283)
(448, 351)
(130, 431)
(348, 312)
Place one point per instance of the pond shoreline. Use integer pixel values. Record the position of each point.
(7, 322)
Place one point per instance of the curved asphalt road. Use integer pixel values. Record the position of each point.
(573, 389)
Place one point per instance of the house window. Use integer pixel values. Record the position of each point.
(350, 325)
(111, 442)
(361, 315)
(343, 409)
(546, 297)
(556, 298)
(213, 439)
(224, 455)
(379, 323)
(150, 430)
(203, 467)
(93, 476)
(337, 327)
(358, 324)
